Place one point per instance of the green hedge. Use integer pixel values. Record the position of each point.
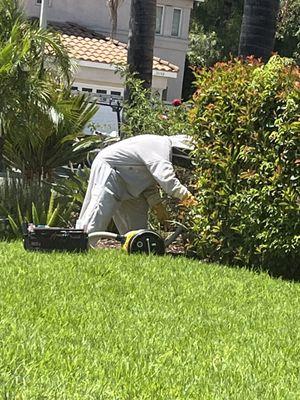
(245, 120)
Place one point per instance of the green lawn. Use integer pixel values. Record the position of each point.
(105, 325)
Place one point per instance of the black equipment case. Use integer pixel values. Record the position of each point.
(43, 238)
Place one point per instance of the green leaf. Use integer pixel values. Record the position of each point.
(51, 207)
(15, 228)
(35, 216)
(54, 217)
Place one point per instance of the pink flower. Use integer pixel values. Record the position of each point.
(176, 102)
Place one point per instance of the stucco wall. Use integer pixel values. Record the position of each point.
(98, 77)
(90, 13)
(94, 14)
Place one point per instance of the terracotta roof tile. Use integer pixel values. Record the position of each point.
(88, 45)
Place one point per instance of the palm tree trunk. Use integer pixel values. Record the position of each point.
(141, 39)
(227, 9)
(258, 28)
(1, 152)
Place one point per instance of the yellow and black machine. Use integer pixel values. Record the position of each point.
(44, 238)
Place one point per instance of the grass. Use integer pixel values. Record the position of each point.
(110, 326)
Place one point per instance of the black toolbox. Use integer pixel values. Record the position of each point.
(43, 238)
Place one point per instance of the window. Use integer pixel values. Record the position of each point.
(114, 93)
(89, 90)
(159, 19)
(39, 2)
(164, 94)
(101, 91)
(176, 22)
(74, 88)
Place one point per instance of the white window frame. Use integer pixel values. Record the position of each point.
(161, 21)
(87, 89)
(98, 91)
(94, 88)
(180, 21)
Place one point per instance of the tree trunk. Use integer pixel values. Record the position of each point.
(1, 152)
(258, 28)
(141, 39)
(227, 8)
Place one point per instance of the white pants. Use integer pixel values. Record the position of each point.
(107, 198)
(132, 214)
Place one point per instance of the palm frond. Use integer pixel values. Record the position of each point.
(50, 137)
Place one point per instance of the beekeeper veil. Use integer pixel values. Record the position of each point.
(182, 147)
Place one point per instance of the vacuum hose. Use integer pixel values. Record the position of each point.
(170, 239)
(105, 235)
(95, 236)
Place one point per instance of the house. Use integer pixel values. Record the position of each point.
(85, 27)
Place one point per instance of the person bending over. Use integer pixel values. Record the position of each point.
(124, 179)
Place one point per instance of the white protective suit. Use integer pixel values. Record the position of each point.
(123, 182)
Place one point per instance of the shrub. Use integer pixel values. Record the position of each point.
(203, 46)
(73, 185)
(147, 113)
(34, 201)
(246, 129)
(287, 41)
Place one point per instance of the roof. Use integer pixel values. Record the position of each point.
(87, 45)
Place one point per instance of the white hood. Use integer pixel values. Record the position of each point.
(182, 142)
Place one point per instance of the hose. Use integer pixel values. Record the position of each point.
(104, 235)
(174, 235)
(95, 236)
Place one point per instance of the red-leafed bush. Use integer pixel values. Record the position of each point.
(245, 120)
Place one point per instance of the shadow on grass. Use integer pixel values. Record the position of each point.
(290, 270)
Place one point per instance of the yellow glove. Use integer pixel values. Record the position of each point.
(161, 213)
(188, 201)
